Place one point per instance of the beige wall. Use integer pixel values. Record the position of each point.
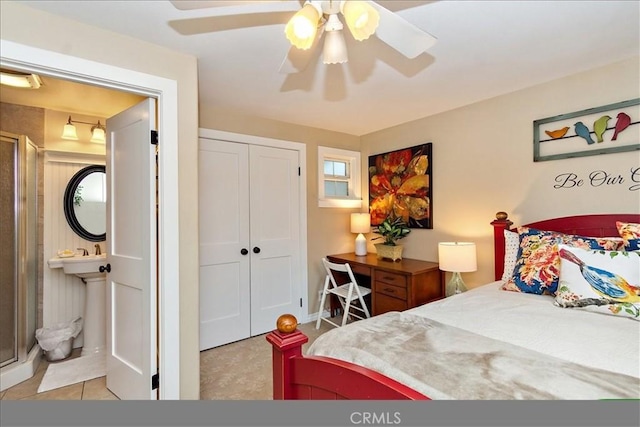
(27, 26)
(483, 162)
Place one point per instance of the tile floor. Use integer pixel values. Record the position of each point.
(95, 389)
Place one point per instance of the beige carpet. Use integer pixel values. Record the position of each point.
(66, 372)
(242, 370)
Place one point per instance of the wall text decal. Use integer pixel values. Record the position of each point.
(599, 178)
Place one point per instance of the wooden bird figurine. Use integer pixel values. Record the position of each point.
(600, 127)
(622, 123)
(608, 285)
(559, 133)
(583, 132)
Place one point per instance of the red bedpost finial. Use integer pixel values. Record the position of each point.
(287, 323)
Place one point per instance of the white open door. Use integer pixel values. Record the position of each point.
(131, 253)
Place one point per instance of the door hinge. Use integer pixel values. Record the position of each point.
(154, 137)
(155, 381)
(298, 170)
(300, 302)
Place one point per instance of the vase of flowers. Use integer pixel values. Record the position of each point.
(391, 230)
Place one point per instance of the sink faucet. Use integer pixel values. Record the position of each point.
(98, 251)
(84, 251)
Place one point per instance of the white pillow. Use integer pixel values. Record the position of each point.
(511, 245)
(598, 280)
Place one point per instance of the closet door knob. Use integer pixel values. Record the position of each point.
(256, 250)
(244, 251)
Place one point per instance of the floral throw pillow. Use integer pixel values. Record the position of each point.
(538, 264)
(603, 281)
(630, 233)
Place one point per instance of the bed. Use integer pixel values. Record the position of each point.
(496, 341)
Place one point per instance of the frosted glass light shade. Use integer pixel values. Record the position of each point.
(361, 18)
(335, 48)
(98, 135)
(457, 257)
(69, 132)
(302, 27)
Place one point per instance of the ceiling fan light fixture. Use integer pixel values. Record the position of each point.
(302, 27)
(361, 18)
(335, 48)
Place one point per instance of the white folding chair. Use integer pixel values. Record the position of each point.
(347, 294)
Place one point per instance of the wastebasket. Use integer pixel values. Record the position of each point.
(57, 341)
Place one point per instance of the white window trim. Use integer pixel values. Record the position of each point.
(355, 172)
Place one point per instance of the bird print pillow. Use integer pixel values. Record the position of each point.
(630, 233)
(603, 281)
(538, 264)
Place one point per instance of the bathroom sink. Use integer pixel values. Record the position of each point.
(85, 267)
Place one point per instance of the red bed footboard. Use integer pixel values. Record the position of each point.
(323, 378)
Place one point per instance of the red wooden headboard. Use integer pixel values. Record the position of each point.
(596, 225)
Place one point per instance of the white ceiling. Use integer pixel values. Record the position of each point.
(484, 49)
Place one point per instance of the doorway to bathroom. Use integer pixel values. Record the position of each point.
(163, 319)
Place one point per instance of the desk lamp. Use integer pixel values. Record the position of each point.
(360, 223)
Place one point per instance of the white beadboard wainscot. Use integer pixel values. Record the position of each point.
(63, 294)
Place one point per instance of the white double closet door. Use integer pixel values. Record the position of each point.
(249, 216)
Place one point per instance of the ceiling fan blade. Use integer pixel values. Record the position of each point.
(297, 60)
(400, 34)
(204, 4)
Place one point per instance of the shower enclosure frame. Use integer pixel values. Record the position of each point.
(26, 352)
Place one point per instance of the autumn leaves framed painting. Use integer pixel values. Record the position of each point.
(612, 128)
(400, 186)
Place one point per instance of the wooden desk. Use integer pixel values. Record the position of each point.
(395, 286)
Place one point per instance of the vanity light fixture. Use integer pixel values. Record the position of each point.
(20, 80)
(98, 134)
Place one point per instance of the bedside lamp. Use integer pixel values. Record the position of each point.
(360, 223)
(456, 257)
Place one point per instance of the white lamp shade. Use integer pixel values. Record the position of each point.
(360, 223)
(335, 48)
(69, 132)
(98, 135)
(361, 18)
(457, 257)
(302, 27)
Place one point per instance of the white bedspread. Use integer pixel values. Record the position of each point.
(493, 344)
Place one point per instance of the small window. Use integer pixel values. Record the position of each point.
(338, 178)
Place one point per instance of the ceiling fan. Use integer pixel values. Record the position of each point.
(316, 18)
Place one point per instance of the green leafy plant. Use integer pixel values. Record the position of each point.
(392, 231)
(77, 196)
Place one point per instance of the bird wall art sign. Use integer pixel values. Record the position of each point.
(612, 128)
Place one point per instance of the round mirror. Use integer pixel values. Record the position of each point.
(85, 203)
